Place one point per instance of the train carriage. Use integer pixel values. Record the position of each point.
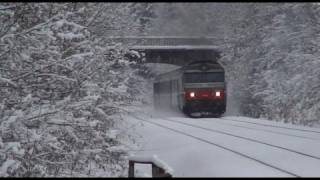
(197, 89)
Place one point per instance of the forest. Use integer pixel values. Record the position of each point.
(63, 92)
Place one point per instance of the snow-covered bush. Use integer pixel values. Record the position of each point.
(62, 90)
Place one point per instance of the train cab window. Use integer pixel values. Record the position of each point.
(204, 77)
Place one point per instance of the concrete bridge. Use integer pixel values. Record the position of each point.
(177, 50)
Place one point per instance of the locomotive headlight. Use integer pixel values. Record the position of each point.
(192, 94)
(218, 93)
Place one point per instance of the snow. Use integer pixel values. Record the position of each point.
(112, 133)
(62, 22)
(5, 166)
(135, 53)
(271, 61)
(69, 36)
(58, 76)
(15, 147)
(120, 148)
(266, 122)
(5, 80)
(190, 157)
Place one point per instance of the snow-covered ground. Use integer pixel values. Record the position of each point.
(227, 146)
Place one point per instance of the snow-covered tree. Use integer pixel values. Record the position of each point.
(62, 89)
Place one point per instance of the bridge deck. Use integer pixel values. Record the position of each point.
(165, 42)
(177, 50)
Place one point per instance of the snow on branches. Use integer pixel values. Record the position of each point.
(60, 90)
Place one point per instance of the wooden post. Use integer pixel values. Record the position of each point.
(156, 171)
(131, 169)
(159, 172)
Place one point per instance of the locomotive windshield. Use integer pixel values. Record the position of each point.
(204, 77)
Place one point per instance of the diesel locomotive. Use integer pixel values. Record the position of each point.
(197, 89)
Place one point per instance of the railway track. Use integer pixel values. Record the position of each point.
(242, 137)
(217, 145)
(265, 125)
(269, 125)
(264, 130)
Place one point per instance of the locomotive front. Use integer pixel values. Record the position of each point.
(204, 88)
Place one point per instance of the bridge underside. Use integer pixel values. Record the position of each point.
(172, 50)
(178, 57)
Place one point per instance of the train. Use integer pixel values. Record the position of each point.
(197, 89)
